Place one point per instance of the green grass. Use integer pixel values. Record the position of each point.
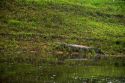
(30, 30)
(79, 22)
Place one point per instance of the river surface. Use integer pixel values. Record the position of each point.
(81, 74)
(68, 72)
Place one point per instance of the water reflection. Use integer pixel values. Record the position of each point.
(91, 80)
(82, 74)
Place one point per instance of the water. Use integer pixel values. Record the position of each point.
(69, 71)
(82, 74)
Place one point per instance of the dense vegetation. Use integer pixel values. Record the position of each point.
(30, 31)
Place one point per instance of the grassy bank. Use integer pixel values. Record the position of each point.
(31, 30)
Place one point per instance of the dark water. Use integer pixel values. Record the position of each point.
(70, 72)
(92, 80)
(82, 74)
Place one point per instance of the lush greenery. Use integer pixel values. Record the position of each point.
(31, 30)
